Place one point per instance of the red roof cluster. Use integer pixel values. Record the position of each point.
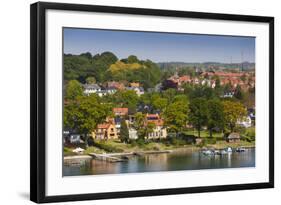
(223, 74)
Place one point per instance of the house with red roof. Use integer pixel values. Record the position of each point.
(120, 111)
(159, 132)
(115, 85)
(105, 131)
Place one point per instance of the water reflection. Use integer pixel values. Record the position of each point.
(183, 160)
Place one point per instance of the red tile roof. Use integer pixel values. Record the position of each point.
(103, 126)
(184, 78)
(155, 119)
(121, 110)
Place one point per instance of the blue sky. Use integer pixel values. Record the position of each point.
(161, 47)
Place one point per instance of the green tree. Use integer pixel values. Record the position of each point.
(158, 102)
(215, 115)
(233, 112)
(126, 98)
(227, 87)
(239, 94)
(142, 126)
(198, 113)
(73, 90)
(91, 80)
(124, 132)
(139, 124)
(175, 116)
(149, 128)
(87, 55)
(133, 59)
(202, 91)
(101, 63)
(79, 67)
(84, 114)
(218, 87)
(169, 94)
(76, 67)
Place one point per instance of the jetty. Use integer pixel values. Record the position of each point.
(123, 157)
(113, 157)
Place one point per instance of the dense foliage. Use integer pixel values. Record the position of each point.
(106, 67)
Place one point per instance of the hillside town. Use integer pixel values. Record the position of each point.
(147, 121)
(137, 102)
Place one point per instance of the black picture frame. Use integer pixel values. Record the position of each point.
(38, 101)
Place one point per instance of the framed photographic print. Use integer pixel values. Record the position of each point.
(129, 102)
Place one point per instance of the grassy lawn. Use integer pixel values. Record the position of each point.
(134, 147)
(68, 152)
(203, 133)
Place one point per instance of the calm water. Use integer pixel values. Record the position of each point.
(183, 160)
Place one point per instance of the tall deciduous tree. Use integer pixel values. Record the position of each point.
(126, 98)
(73, 90)
(169, 94)
(239, 94)
(84, 114)
(142, 126)
(175, 116)
(215, 115)
(233, 112)
(198, 113)
(139, 123)
(159, 103)
(149, 128)
(124, 132)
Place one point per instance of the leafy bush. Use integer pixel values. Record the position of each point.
(140, 142)
(240, 129)
(210, 140)
(251, 134)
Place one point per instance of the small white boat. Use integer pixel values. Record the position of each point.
(223, 152)
(217, 152)
(228, 149)
(240, 149)
(78, 150)
(208, 152)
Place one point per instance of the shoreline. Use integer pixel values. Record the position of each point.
(141, 153)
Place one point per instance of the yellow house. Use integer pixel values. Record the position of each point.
(105, 131)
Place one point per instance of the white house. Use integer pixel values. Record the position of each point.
(247, 122)
(159, 132)
(139, 90)
(75, 139)
(91, 88)
(228, 94)
(133, 133)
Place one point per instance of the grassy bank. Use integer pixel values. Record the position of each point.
(115, 146)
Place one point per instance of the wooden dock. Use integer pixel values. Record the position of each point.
(108, 157)
(123, 157)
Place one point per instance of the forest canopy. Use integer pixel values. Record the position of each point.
(107, 67)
